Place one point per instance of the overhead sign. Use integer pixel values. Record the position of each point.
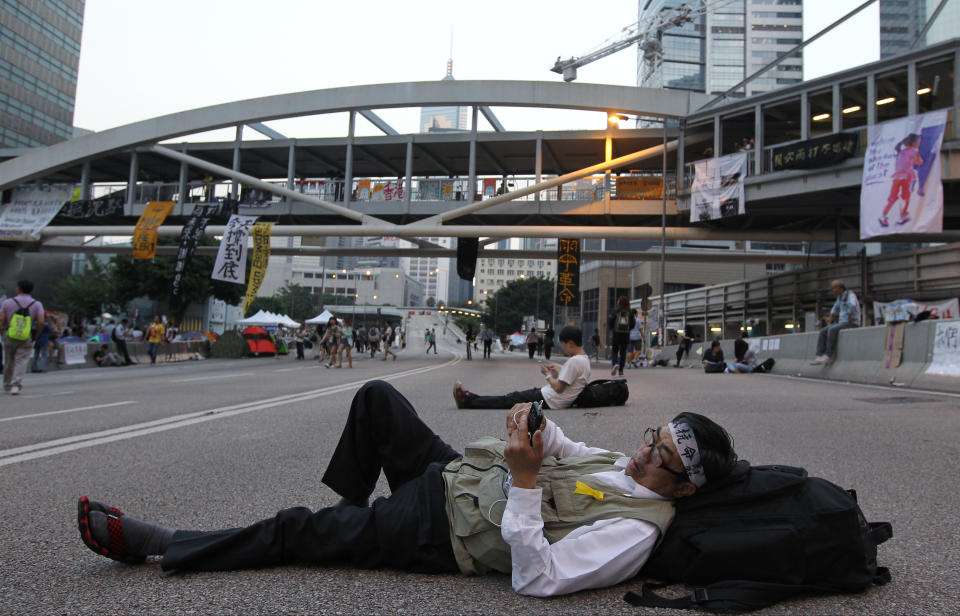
(632, 187)
(29, 211)
(814, 153)
(902, 189)
(717, 190)
(568, 272)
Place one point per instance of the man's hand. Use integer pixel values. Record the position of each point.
(549, 369)
(514, 418)
(523, 459)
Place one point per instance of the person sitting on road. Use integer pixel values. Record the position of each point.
(563, 384)
(105, 358)
(713, 359)
(449, 512)
(844, 314)
(747, 359)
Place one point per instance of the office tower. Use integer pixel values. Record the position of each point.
(714, 49)
(39, 56)
(901, 23)
(441, 119)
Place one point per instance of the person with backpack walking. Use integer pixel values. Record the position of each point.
(450, 512)
(388, 338)
(432, 341)
(21, 318)
(487, 338)
(619, 323)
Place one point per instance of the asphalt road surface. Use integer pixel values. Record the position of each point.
(223, 443)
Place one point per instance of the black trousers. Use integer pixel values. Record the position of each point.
(122, 347)
(407, 530)
(506, 401)
(487, 344)
(619, 354)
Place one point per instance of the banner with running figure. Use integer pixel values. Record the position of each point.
(30, 210)
(145, 233)
(717, 190)
(231, 264)
(902, 190)
(258, 264)
(189, 238)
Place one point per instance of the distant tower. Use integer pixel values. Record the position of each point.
(440, 119)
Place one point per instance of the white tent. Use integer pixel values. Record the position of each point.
(321, 319)
(262, 318)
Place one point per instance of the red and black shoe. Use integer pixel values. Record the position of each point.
(117, 548)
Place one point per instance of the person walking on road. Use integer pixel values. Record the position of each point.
(620, 322)
(487, 338)
(388, 341)
(41, 349)
(21, 317)
(373, 338)
(432, 341)
(346, 343)
(532, 341)
(155, 336)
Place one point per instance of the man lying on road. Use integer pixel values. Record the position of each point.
(557, 515)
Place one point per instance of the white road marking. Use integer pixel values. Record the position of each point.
(82, 441)
(296, 369)
(81, 408)
(214, 376)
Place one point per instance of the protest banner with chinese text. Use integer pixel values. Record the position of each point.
(30, 210)
(231, 264)
(568, 271)
(818, 152)
(145, 234)
(189, 238)
(258, 264)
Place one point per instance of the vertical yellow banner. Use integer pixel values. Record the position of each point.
(145, 234)
(258, 264)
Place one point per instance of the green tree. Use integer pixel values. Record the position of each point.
(518, 298)
(153, 278)
(88, 293)
(430, 302)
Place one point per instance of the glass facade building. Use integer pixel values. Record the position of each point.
(715, 51)
(901, 21)
(39, 57)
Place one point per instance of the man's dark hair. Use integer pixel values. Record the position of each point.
(26, 286)
(103, 347)
(571, 334)
(714, 344)
(716, 446)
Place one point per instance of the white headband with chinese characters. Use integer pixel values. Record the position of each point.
(689, 451)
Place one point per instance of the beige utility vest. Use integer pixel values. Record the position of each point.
(476, 492)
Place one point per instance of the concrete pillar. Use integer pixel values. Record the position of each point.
(717, 140)
(85, 180)
(804, 115)
(235, 188)
(408, 173)
(680, 172)
(912, 103)
(871, 99)
(291, 170)
(182, 185)
(758, 139)
(835, 108)
(132, 183)
(348, 168)
(538, 164)
(472, 171)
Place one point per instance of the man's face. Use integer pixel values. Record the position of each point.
(657, 466)
(836, 288)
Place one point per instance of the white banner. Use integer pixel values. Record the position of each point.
(717, 189)
(231, 265)
(74, 352)
(902, 190)
(946, 350)
(30, 210)
(907, 310)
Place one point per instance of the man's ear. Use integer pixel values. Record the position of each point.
(684, 489)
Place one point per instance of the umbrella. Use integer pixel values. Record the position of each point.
(99, 338)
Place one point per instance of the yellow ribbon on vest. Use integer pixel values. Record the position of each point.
(583, 488)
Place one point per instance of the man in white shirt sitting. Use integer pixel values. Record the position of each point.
(563, 385)
(557, 515)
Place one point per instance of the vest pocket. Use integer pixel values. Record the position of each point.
(479, 500)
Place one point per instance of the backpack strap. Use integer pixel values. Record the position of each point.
(880, 531)
(729, 595)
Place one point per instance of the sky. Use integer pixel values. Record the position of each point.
(143, 58)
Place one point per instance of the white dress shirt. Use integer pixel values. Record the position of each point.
(598, 555)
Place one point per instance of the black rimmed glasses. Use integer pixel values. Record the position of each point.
(651, 438)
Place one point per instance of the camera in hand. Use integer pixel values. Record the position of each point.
(534, 419)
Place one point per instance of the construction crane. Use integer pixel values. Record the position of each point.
(647, 33)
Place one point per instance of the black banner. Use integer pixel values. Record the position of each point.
(189, 238)
(103, 210)
(568, 272)
(813, 153)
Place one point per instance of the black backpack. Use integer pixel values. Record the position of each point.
(765, 534)
(603, 392)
